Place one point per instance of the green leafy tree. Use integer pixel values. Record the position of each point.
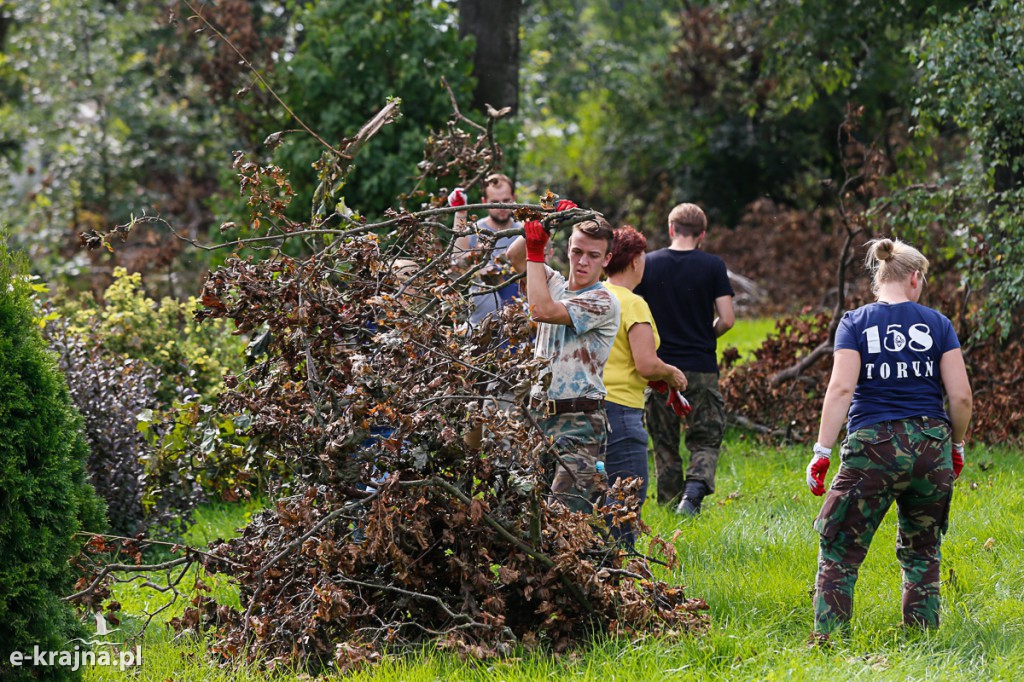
(970, 96)
(642, 104)
(113, 112)
(350, 58)
(44, 496)
(102, 123)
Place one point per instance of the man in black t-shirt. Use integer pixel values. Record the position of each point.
(690, 297)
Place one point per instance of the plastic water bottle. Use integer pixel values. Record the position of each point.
(603, 488)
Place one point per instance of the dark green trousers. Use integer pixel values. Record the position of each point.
(705, 427)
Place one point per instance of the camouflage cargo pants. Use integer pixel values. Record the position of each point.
(704, 431)
(907, 461)
(578, 438)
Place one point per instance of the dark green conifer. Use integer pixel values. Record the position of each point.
(45, 497)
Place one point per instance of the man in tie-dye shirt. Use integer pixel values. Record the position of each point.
(577, 322)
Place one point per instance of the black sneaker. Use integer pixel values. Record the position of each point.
(693, 496)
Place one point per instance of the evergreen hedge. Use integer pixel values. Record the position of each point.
(45, 497)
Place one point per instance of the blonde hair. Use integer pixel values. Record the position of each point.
(890, 260)
(597, 228)
(497, 179)
(687, 220)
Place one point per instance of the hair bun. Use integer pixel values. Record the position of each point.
(884, 249)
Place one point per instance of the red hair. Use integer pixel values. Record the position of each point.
(627, 245)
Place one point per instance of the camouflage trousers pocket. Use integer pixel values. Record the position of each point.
(940, 432)
(833, 513)
(864, 439)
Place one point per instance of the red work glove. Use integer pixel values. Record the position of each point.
(457, 197)
(958, 459)
(565, 205)
(676, 400)
(817, 469)
(536, 239)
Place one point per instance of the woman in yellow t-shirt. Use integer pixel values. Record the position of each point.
(632, 363)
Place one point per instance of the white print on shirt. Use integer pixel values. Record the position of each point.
(895, 340)
(903, 369)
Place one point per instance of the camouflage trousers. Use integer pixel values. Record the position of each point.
(704, 431)
(579, 438)
(909, 462)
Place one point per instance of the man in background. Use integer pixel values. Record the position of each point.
(690, 298)
(488, 291)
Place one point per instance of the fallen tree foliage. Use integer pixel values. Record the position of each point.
(392, 528)
(398, 531)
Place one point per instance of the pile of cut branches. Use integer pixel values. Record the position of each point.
(396, 530)
(417, 508)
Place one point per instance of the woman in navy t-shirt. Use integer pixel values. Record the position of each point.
(896, 363)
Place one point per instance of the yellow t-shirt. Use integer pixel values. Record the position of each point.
(624, 384)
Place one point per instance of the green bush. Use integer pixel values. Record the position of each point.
(166, 446)
(44, 496)
(191, 358)
(155, 450)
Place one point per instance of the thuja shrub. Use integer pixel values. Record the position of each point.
(44, 494)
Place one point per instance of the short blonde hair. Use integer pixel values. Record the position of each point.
(497, 179)
(890, 260)
(597, 228)
(687, 220)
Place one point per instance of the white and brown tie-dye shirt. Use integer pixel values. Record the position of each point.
(577, 353)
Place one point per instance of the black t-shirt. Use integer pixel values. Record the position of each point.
(681, 288)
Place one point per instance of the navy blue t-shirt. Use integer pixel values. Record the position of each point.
(900, 346)
(681, 288)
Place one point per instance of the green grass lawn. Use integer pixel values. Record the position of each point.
(746, 337)
(751, 555)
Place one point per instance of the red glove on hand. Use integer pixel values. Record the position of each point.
(536, 239)
(565, 205)
(457, 197)
(659, 386)
(817, 469)
(676, 400)
(958, 459)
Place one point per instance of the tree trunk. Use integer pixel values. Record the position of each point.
(495, 24)
(5, 22)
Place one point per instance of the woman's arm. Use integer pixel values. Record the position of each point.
(958, 390)
(845, 372)
(645, 357)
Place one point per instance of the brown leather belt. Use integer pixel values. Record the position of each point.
(553, 407)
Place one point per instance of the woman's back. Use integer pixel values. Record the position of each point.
(901, 347)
